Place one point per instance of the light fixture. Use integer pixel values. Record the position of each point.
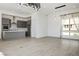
(35, 6)
(60, 6)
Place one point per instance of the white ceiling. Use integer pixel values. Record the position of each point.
(50, 7)
(46, 8)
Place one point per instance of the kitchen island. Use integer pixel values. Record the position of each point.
(14, 34)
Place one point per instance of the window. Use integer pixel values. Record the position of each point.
(70, 25)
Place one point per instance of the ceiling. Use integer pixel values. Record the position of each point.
(50, 7)
(46, 8)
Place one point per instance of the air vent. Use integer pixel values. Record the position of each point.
(60, 6)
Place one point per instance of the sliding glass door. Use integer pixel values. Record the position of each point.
(65, 27)
(70, 26)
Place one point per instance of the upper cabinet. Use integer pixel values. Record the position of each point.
(20, 22)
(6, 23)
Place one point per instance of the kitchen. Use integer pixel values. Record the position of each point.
(15, 27)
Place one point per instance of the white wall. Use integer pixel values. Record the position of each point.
(54, 21)
(34, 24)
(39, 25)
(0, 24)
(53, 25)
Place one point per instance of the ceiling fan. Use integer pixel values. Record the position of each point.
(35, 6)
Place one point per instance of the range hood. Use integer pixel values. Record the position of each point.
(13, 24)
(13, 20)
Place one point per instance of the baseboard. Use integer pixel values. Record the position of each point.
(70, 39)
(54, 37)
(40, 36)
(48, 37)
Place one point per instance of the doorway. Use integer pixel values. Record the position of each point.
(70, 26)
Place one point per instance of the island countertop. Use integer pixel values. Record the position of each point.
(16, 30)
(13, 34)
